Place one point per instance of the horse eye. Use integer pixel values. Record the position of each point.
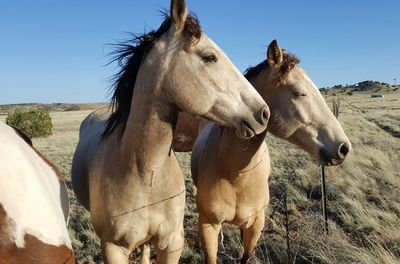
(209, 58)
(298, 94)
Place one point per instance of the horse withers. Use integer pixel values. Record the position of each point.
(123, 169)
(34, 204)
(231, 174)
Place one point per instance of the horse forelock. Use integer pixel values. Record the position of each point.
(130, 55)
(289, 61)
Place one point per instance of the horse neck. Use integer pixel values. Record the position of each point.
(148, 135)
(266, 85)
(242, 153)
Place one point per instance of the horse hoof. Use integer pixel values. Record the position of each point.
(251, 260)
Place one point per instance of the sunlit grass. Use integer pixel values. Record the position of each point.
(363, 193)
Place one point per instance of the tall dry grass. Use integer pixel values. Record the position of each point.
(363, 194)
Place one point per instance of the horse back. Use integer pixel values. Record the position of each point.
(90, 135)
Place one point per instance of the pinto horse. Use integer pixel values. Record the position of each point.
(123, 170)
(34, 204)
(231, 174)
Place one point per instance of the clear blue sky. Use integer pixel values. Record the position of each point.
(54, 51)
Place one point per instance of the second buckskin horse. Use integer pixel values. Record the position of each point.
(231, 174)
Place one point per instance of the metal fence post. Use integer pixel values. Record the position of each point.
(323, 197)
(336, 105)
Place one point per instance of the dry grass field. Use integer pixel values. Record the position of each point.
(363, 193)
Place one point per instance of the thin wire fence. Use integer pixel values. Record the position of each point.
(335, 109)
(283, 201)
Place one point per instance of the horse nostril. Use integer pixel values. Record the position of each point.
(264, 116)
(343, 150)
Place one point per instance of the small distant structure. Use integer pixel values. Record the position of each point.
(377, 96)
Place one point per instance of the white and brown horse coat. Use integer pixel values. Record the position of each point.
(33, 204)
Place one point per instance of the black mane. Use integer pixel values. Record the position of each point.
(130, 55)
(251, 71)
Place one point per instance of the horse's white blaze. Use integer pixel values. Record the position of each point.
(30, 192)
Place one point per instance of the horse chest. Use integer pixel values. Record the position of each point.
(155, 217)
(144, 205)
(235, 198)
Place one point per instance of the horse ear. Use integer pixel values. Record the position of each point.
(178, 13)
(274, 54)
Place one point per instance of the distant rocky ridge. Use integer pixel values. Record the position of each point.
(365, 86)
(55, 107)
(371, 86)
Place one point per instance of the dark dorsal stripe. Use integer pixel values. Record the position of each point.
(22, 135)
(130, 55)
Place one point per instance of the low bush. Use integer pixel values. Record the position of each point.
(33, 123)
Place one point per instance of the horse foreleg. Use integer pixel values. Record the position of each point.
(250, 237)
(145, 254)
(173, 251)
(209, 240)
(114, 254)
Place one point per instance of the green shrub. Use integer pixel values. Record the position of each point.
(33, 123)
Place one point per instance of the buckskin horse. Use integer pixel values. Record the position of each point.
(123, 170)
(231, 174)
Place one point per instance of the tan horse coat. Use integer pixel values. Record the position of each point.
(231, 174)
(128, 177)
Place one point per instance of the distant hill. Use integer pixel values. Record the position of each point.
(55, 107)
(370, 86)
(364, 86)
